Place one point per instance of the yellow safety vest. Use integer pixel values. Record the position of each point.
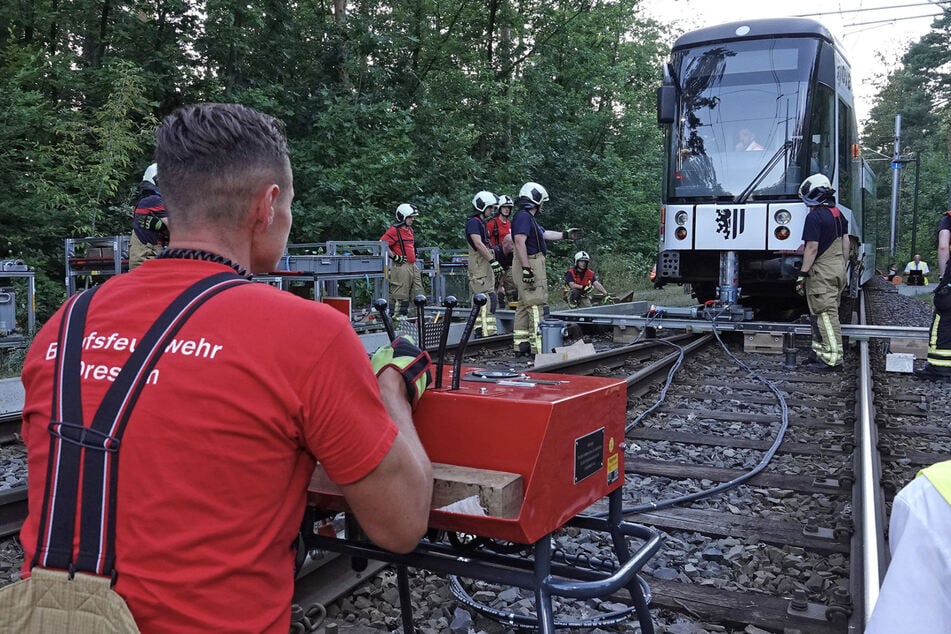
(940, 476)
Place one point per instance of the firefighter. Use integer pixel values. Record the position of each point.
(939, 342)
(485, 270)
(822, 275)
(530, 239)
(581, 282)
(405, 279)
(500, 230)
(149, 221)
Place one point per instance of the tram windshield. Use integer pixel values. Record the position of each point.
(741, 116)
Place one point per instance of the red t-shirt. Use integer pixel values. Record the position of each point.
(216, 459)
(400, 239)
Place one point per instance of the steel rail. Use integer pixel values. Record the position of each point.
(868, 479)
(855, 331)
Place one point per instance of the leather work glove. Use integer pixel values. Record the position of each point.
(588, 289)
(151, 222)
(528, 276)
(609, 299)
(399, 259)
(572, 234)
(496, 268)
(801, 284)
(414, 364)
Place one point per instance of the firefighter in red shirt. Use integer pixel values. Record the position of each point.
(499, 228)
(405, 279)
(580, 282)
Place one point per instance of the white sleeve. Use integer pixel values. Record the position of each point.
(915, 597)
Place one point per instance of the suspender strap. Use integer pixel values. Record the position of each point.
(99, 443)
(55, 535)
(399, 236)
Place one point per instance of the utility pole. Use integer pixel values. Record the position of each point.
(914, 213)
(896, 167)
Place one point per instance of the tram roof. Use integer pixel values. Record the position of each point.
(771, 27)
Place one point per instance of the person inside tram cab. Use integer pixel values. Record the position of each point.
(746, 141)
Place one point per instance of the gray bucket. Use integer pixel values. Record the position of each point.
(553, 332)
(7, 311)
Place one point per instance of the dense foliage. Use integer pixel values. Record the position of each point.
(422, 101)
(920, 91)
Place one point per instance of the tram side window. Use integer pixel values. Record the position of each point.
(847, 165)
(822, 130)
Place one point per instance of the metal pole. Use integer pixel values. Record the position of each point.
(914, 213)
(896, 166)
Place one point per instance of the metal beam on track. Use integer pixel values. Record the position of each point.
(632, 315)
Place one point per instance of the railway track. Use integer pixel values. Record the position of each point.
(791, 548)
(781, 551)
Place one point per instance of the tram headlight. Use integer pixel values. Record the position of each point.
(680, 233)
(681, 218)
(782, 217)
(782, 233)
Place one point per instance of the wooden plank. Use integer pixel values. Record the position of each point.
(806, 449)
(740, 608)
(500, 493)
(769, 530)
(751, 417)
(801, 484)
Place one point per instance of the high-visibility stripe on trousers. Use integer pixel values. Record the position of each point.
(823, 292)
(532, 302)
(939, 342)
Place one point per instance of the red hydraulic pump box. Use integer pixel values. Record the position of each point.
(564, 435)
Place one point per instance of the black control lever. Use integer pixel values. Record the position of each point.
(449, 304)
(478, 301)
(420, 301)
(381, 307)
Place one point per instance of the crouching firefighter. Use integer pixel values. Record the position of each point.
(821, 279)
(532, 284)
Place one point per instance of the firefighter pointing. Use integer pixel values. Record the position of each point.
(530, 248)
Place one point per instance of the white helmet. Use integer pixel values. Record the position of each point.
(483, 200)
(405, 211)
(150, 173)
(817, 190)
(534, 192)
(582, 255)
(506, 201)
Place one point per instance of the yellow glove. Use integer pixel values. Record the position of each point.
(414, 364)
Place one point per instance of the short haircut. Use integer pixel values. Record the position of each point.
(213, 157)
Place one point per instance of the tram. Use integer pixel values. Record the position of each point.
(751, 109)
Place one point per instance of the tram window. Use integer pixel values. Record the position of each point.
(822, 129)
(846, 163)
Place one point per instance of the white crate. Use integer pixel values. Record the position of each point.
(900, 362)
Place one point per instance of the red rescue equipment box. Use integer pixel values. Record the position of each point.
(563, 435)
